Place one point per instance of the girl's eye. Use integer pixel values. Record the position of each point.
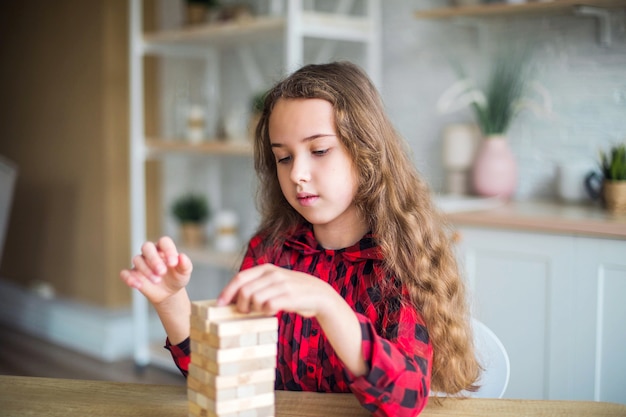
(320, 152)
(284, 160)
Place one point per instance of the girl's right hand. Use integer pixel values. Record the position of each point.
(159, 271)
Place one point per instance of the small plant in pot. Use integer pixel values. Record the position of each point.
(613, 168)
(192, 212)
(495, 107)
(201, 11)
(256, 108)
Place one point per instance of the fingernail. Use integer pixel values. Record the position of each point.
(156, 279)
(172, 260)
(161, 269)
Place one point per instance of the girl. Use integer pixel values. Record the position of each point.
(350, 254)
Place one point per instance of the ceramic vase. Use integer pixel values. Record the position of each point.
(495, 169)
(614, 193)
(192, 234)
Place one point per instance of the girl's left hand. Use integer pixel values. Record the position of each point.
(269, 289)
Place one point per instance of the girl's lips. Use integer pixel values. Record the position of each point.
(306, 199)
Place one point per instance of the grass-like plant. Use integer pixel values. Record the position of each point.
(613, 163)
(191, 208)
(495, 105)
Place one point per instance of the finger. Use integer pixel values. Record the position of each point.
(249, 297)
(132, 278)
(229, 292)
(153, 258)
(184, 266)
(168, 248)
(140, 265)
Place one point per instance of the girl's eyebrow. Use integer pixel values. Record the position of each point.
(307, 139)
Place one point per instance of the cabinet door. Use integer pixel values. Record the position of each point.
(600, 319)
(519, 286)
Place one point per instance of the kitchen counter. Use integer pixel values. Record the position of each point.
(545, 216)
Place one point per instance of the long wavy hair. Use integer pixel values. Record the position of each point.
(393, 200)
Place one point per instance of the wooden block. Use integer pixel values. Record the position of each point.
(240, 404)
(229, 406)
(258, 412)
(235, 354)
(222, 394)
(229, 381)
(238, 326)
(209, 310)
(200, 333)
(267, 337)
(233, 368)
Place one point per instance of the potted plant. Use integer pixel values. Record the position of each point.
(256, 107)
(200, 11)
(613, 167)
(495, 107)
(191, 211)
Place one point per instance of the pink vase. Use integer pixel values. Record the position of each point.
(495, 169)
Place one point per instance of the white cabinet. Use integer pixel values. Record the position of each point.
(298, 25)
(555, 301)
(599, 318)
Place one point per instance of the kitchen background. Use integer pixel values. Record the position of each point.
(65, 123)
(585, 81)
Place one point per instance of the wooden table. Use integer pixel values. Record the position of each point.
(48, 397)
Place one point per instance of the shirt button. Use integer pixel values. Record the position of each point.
(314, 332)
(310, 369)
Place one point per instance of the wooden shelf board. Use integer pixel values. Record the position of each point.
(219, 33)
(207, 256)
(159, 147)
(503, 9)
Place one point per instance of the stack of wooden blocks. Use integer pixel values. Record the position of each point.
(233, 361)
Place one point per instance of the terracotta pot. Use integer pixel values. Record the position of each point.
(614, 193)
(495, 169)
(192, 234)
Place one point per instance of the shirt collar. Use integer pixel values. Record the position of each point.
(303, 240)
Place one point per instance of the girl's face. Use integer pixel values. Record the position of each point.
(315, 172)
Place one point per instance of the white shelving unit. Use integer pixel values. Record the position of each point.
(291, 21)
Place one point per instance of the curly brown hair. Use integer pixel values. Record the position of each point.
(394, 201)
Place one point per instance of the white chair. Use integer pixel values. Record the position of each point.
(494, 360)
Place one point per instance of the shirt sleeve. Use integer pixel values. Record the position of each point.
(398, 381)
(181, 354)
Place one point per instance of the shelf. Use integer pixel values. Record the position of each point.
(506, 9)
(218, 34)
(161, 147)
(314, 24)
(206, 256)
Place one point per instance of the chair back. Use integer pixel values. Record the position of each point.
(492, 356)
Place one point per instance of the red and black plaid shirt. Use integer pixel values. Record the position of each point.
(394, 342)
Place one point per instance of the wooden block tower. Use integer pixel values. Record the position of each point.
(233, 361)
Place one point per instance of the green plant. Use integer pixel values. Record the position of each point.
(613, 163)
(257, 101)
(209, 4)
(496, 105)
(191, 208)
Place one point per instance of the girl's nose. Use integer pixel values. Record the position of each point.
(300, 170)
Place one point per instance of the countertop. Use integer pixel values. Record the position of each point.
(543, 216)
